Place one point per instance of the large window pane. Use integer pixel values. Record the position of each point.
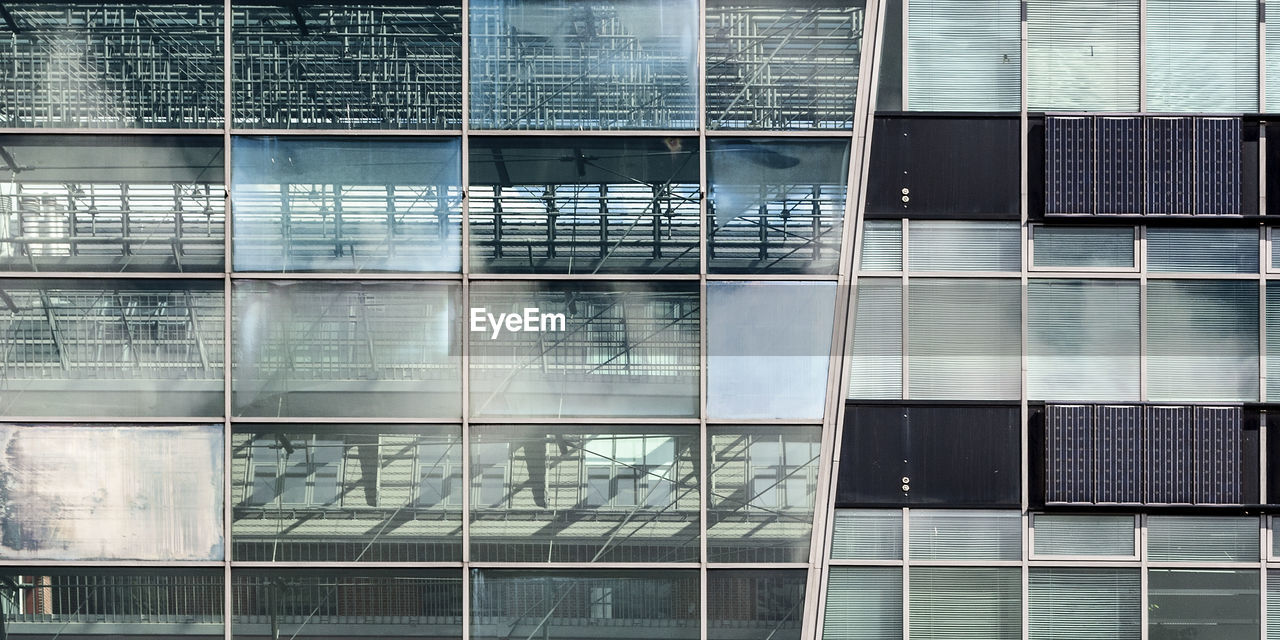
(611, 349)
(1083, 247)
(111, 203)
(346, 204)
(1206, 604)
(870, 534)
(566, 65)
(1082, 55)
(963, 340)
(584, 205)
(943, 534)
(1212, 250)
(1202, 341)
(964, 55)
(1085, 604)
(1084, 535)
(761, 499)
(1206, 538)
(966, 603)
(963, 245)
(622, 605)
(755, 605)
(1202, 55)
(863, 603)
(777, 205)
(112, 65)
(876, 355)
(1083, 340)
(118, 348)
(346, 348)
(347, 65)
(768, 349)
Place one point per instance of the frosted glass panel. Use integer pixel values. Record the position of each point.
(876, 354)
(1084, 535)
(882, 245)
(961, 245)
(874, 534)
(959, 534)
(964, 339)
(1203, 250)
(1206, 538)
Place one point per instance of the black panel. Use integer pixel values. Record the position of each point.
(1119, 471)
(952, 167)
(1217, 149)
(1070, 434)
(1119, 165)
(1273, 169)
(1168, 455)
(1169, 166)
(1069, 176)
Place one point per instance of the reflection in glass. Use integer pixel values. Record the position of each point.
(1083, 247)
(584, 205)
(620, 605)
(374, 65)
(389, 604)
(562, 64)
(366, 493)
(965, 245)
(1205, 604)
(111, 203)
(346, 348)
(575, 494)
(763, 482)
(966, 602)
(777, 206)
(1202, 340)
(1083, 339)
(623, 349)
(755, 605)
(102, 348)
(346, 204)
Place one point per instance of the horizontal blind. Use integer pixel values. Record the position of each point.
(966, 603)
(1202, 250)
(1083, 340)
(1085, 604)
(1072, 535)
(1273, 577)
(955, 534)
(1202, 340)
(964, 339)
(876, 357)
(863, 603)
(1082, 55)
(1273, 343)
(1273, 104)
(963, 245)
(881, 245)
(1083, 247)
(1202, 55)
(964, 55)
(1202, 538)
(867, 534)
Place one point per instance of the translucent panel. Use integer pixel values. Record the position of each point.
(111, 348)
(346, 493)
(584, 494)
(346, 204)
(961, 534)
(600, 349)
(111, 492)
(1202, 55)
(964, 55)
(755, 605)
(863, 603)
(867, 534)
(368, 65)
(1082, 55)
(1083, 340)
(881, 245)
(777, 205)
(622, 605)
(964, 339)
(346, 348)
(1205, 604)
(966, 603)
(1202, 341)
(1205, 250)
(761, 499)
(963, 245)
(567, 65)
(876, 355)
(1083, 535)
(1082, 247)
(1207, 538)
(112, 65)
(584, 205)
(1085, 604)
(111, 203)
(390, 604)
(773, 65)
(768, 349)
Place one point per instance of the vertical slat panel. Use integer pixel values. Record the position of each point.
(1168, 159)
(1119, 165)
(1070, 461)
(1118, 454)
(1069, 165)
(1219, 478)
(1169, 455)
(1217, 186)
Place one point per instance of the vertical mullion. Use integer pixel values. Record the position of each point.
(1023, 331)
(704, 227)
(227, 266)
(464, 125)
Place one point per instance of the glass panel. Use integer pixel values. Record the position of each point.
(963, 245)
(375, 65)
(1273, 340)
(1071, 535)
(1273, 604)
(965, 535)
(584, 205)
(1202, 55)
(299, 604)
(346, 348)
(622, 605)
(1206, 250)
(863, 603)
(566, 65)
(111, 203)
(966, 603)
(108, 348)
(867, 534)
(876, 370)
(777, 205)
(621, 349)
(1085, 604)
(889, 78)
(1082, 55)
(72, 492)
(757, 76)
(112, 65)
(584, 494)
(1207, 538)
(964, 55)
(881, 245)
(1083, 340)
(1202, 341)
(346, 493)
(763, 482)
(1204, 604)
(755, 605)
(346, 204)
(768, 348)
(964, 339)
(1083, 247)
